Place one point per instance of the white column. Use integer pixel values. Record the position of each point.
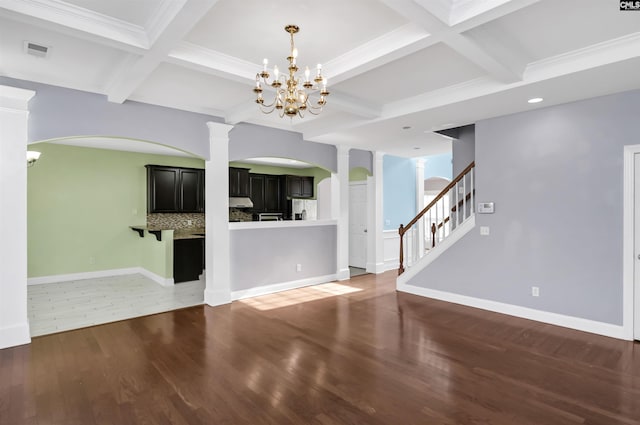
(218, 261)
(375, 248)
(14, 114)
(420, 203)
(342, 212)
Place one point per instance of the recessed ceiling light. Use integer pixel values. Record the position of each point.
(406, 127)
(535, 100)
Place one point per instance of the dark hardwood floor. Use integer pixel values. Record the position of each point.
(367, 355)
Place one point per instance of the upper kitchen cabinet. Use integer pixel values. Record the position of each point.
(265, 192)
(238, 182)
(299, 186)
(174, 189)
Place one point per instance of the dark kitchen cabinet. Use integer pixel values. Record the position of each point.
(265, 192)
(238, 182)
(272, 193)
(174, 189)
(299, 186)
(188, 259)
(257, 191)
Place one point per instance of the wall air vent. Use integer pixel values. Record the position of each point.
(36, 49)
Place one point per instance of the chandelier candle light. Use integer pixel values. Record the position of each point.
(291, 100)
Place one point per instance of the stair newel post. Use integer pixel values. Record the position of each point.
(401, 266)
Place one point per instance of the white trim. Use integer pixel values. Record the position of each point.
(628, 233)
(11, 336)
(284, 286)
(98, 274)
(280, 224)
(434, 253)
(391, 255)
(164, 281)
(586, 325)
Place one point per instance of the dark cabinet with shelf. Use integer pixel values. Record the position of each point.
(174, 189)
(265, 192)
(299, 186)
(238, 182)
(188, 259)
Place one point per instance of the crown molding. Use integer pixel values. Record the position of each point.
(607, 52)
(80, 19)
(212, 62)
(393, 45)
(162, 17)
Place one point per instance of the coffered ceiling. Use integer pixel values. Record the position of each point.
(397, 69)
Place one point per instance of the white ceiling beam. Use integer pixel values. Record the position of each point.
(210, 62)
(135, 71)
(391, 46)
(80, 19)
(472, 18)
(421, 15)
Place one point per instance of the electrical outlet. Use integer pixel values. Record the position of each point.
(134, 211)
(535, 291)
(189, 222)
(298, 267)
(92, 260)
(484, 230)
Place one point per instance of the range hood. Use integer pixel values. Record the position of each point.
(240, 203)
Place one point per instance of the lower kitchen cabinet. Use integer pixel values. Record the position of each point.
(188, 259)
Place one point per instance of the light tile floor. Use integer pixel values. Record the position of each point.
(63, 306)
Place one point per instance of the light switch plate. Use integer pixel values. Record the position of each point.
(485, 208)
(484, 230)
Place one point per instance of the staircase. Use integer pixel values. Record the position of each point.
(446, 219)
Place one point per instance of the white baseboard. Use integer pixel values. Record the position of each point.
(284, 286)
(377, 268)
(391, 264)
(586, 325)
(98, 274)
(11, 336)
(343, 274)
(164, 281)
(216, 298)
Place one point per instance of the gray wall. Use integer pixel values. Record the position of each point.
(360, 158)
(262, 257)
(555, 175)
(464, 149)
(251, 141)
(59, 112)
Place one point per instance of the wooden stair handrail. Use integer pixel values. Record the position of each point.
(403, 229)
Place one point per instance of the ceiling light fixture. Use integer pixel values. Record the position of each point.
(535, 100)
(291, 100)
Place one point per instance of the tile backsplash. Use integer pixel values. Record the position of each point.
(175, 221)
(236, 214)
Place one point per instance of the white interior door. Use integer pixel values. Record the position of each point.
(358, 225)
(636, 245)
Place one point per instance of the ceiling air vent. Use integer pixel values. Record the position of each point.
(36, 49)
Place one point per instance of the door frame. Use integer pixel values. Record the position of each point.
(629, 309)
(367, 247)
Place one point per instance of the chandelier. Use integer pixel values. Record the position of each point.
(290, 99)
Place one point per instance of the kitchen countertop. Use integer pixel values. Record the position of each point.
(189, 233)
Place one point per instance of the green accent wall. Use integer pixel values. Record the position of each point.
(80, 204)
(357, 174)
(318, 173)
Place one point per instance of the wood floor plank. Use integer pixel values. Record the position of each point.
(354, 352)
